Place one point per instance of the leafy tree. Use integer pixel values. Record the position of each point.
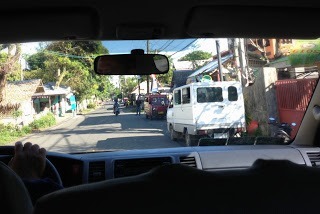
(165, 79)
(8, 64)
(128, 84)
(36, 61)
(195, 56)
(71, 63)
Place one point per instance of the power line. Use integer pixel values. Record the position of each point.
(184, 47)
(166, 46)
(71, 55)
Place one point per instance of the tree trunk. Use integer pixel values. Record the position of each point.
(3, 81)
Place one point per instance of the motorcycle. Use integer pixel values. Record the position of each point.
(283, 129)
(116, 109)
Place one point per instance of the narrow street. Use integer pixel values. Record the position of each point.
(102, 130)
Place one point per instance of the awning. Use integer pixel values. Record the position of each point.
(210, 66)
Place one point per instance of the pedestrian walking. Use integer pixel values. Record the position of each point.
(138, 105)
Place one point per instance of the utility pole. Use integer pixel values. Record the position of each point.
(139, 77)
(147, 75)
(219, 60)
(235, 50)
(243, 62)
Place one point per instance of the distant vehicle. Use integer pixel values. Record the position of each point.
(206, 109)
(125, 101)
(116, 110)
(155, 106)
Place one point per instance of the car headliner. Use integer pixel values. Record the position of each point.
(28, 21)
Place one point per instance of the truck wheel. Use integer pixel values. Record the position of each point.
(190, 140)
(173, 134)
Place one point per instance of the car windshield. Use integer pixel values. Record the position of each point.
(229, 89)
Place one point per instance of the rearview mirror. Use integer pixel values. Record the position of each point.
(131, 64)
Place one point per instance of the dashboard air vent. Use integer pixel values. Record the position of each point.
(97, 171)
(190, 161)
(314, 158)
(129, 167)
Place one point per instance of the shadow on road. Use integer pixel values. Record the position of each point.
(102, 130)
(137, 142)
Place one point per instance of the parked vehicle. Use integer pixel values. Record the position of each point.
(283, 129)
(206, 109)
(155, 106)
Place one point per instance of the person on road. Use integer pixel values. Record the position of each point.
(138, 105)
(116, 104)
(29, 162)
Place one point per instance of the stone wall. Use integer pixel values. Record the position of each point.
(260, 98)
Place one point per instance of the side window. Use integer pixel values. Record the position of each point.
(209, 94)
(177, 97)
(232, 93)
(201, 95)
(185, 95)
(215, 94)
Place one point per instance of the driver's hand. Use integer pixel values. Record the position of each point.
(29, 160)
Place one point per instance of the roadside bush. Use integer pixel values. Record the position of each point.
(9, 133)
(44, 122)
(91, 105)
(26, 130)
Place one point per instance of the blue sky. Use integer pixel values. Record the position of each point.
(174, 48)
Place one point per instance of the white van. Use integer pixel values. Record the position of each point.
(206, 109)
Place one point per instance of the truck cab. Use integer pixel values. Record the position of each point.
(155, 106)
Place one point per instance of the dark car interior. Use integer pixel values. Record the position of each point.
(213, 177)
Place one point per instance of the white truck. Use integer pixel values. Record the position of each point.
(206, 109)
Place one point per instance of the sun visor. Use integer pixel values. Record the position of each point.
(253, 21)
(54, 24)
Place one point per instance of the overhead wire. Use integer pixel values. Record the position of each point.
(166, 46)
(184, 47)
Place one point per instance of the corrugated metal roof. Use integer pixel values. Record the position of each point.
(50, 89)
(210, 66)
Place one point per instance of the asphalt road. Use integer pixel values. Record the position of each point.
(102, 130)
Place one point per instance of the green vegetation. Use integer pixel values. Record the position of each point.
(9, 133)
(70, 63)
(304, 59)
(195, 56)
(43, 122)
(91, 106)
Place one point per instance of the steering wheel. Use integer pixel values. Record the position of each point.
(52, 172)
(6, 153)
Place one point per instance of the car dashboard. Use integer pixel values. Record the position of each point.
(76, 169)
